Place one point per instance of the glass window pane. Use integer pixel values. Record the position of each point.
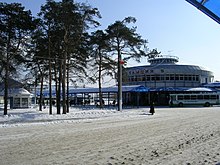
(187, 97)
(16, 102)
(200, 97)
(214, 6)
(180, 97)
(209, 7)
(206, 96)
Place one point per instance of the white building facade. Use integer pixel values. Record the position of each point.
(165, 72)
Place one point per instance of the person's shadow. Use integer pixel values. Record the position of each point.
(149, 114)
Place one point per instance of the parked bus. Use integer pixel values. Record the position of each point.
(204, 99)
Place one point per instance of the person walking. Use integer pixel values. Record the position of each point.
(152, 111)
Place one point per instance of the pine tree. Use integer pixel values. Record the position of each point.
(15, 27)
(127, 44)
(101, 60)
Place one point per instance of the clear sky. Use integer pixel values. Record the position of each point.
(174, 27)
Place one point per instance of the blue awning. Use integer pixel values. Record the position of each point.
(140, 89)
(113, 89)
(209, 7)
(167, 89)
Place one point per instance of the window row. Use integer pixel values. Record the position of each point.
(168, 77)
(135, 72)
(198, 97)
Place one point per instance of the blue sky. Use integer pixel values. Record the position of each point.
(174, 27)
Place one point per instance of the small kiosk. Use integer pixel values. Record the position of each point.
(18, 98)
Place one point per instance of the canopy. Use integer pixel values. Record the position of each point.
(200, 89)
(113, 89)
(167, 89)
(209, 7)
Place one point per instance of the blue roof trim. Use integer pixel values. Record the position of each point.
(167, 89)
(114, 89)
(213, 85)
(208, 7)
(140, 89)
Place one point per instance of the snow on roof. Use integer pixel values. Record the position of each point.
(113, 89)
(16, 91)
(201, 89)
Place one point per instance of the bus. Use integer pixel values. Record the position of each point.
(204, 99)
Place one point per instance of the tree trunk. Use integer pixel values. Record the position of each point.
(119, 80)
(100, 83)
(59, 88)
(6, 90)
(41, 88)
(64, 69)
(6, 78)
(67, 87)
(50, 75)
(41, 101)
(64, 86)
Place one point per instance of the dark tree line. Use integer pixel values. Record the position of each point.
(16, 26)
(58, 46)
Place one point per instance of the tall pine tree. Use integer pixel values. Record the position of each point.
(15, 27)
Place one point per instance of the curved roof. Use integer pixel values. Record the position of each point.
(200, 89)
(16, 91)
(175, 68)
(167, 64)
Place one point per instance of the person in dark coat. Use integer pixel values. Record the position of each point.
(152, 111)
(113, 103)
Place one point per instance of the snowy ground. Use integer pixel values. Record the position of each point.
(107, 137)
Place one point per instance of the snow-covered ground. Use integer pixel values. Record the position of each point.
(89, 136)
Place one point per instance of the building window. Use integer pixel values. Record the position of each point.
(16, 102)
(177, 77)
(181, 77)
(24, 102)
(190, 77)
(172, 77)
(157, 77)
(153, 78)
